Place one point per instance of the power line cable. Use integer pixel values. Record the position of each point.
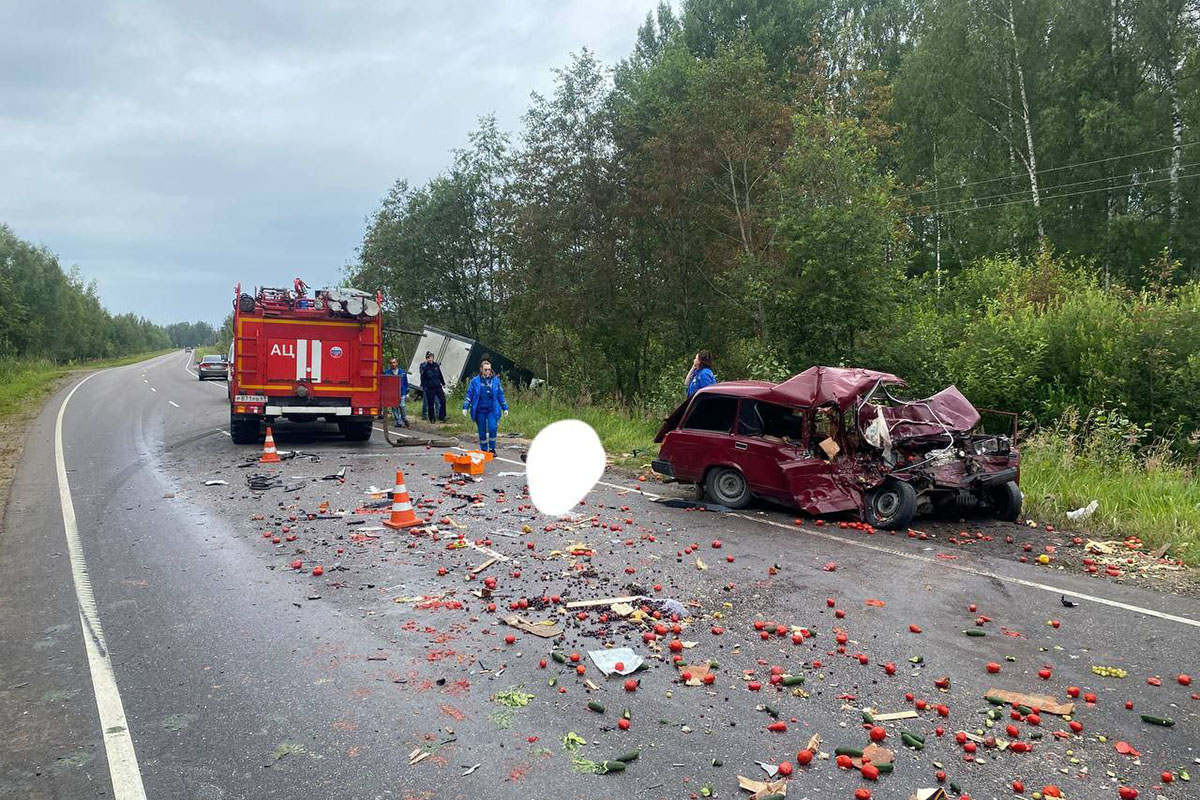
(1025, 174)
(950, 204)
(1051, 197)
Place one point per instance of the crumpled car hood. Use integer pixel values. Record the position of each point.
(933, 416)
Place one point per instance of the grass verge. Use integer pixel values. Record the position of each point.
(628, 438)
(24, 386)
(1156, 500)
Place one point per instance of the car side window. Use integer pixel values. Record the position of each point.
(783, 422)
(712, 412)
(750, 422)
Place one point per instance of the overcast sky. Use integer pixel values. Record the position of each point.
(172, 149)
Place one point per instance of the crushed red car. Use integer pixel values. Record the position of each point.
(835, 440)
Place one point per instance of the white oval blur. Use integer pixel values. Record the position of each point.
(563, 464)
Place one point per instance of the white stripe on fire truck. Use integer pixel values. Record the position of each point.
(316, 360)
(301, 359)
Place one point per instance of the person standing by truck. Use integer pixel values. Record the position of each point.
(485, 404)
(399, 415)
(433, 394)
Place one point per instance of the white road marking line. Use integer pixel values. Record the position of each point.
(636, 489)
(978, 572)
(227, 433)
(153, 389)
(118, 744)
(172, 402)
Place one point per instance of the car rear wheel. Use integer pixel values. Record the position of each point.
(891, 506)
(1007, 500)
(728, 487)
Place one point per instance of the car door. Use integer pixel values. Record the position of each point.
(815, 482)
(704, 439)
(759, 455)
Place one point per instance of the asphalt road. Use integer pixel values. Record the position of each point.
(241, 677)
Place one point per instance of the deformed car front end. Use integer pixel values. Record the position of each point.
(833, 440)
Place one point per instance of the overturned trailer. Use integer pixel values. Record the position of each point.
(459, 357)
(832, 440)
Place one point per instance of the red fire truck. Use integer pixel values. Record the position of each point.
(306, 359)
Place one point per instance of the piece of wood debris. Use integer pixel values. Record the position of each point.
(895, 715)
(603, 601)
(483, 566)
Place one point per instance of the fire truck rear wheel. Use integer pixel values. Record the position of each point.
(243, 429)
(355, 430)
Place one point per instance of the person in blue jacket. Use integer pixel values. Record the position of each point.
(701, 374)
(485, 404)
(399, 417)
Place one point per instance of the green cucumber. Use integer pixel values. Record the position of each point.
(559, 657)
(975, 632)
(774, 712)
(911, 741)
(868, 717)
(595, 706)
(884, 768)
(612, 766)
(919, 737)
(853, 752)
(1024, 711)
(996, 701)
(632, 755)
(792, 680)
(1163, 721)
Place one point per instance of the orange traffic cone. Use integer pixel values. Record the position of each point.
(269, 456)
(402, 511)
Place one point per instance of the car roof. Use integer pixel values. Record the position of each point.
(814, 387)
(213, 357)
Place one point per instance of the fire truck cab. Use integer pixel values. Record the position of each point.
(307, 359)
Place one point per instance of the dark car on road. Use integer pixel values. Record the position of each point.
(835, 440)
(212, 367)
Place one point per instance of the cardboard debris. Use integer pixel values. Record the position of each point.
(621, 609)
(895, 715)
(697, 672)
(936, 793)
(1043, 701)
(547, 629)
(814, 743)
(761, 789)
(830, 448)
(875, 754)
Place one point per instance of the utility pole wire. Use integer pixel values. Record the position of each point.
(950, 187)
(1047, 197)
(954, 203)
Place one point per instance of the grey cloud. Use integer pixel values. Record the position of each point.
(173, 149)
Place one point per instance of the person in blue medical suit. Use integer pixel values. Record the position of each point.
(485, 404)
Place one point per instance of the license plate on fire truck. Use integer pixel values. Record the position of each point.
(250, 398)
